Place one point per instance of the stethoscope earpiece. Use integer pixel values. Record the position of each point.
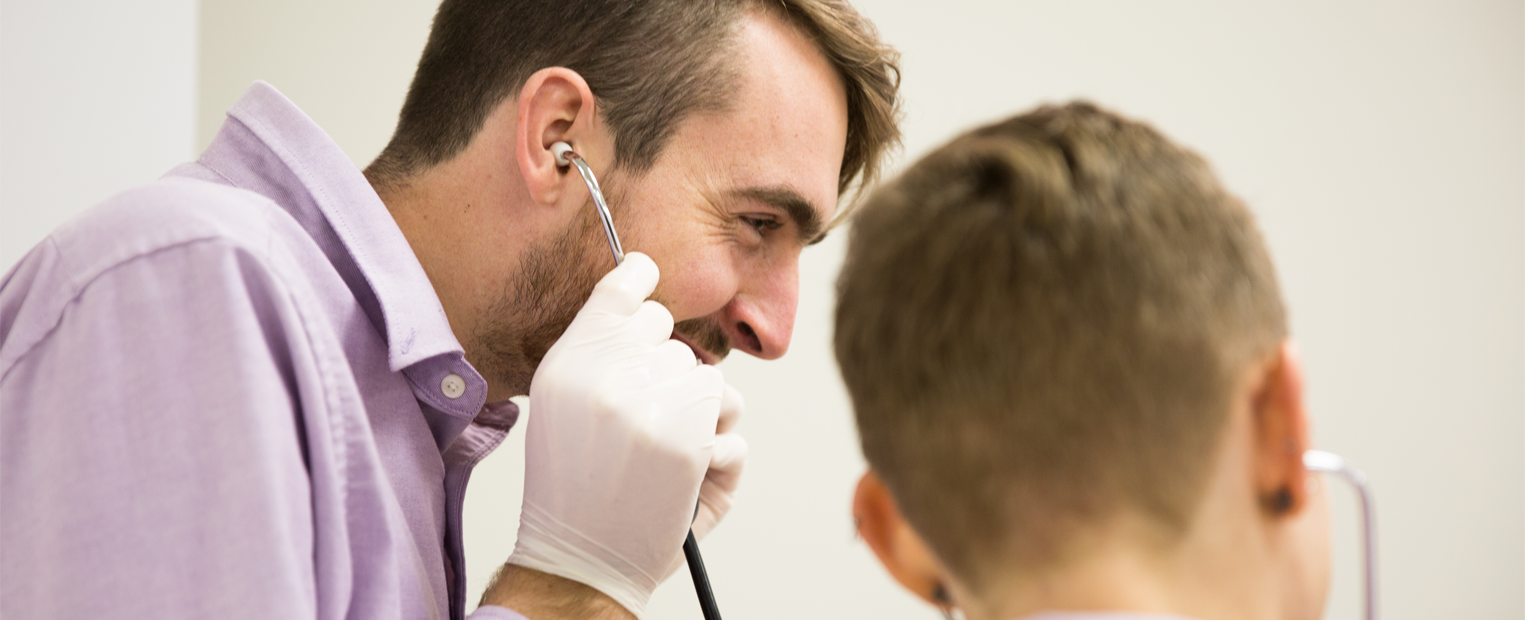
(561, 149)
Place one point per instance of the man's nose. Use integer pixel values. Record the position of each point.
(760, 319)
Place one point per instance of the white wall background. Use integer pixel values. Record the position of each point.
(96, 96)
(1381, 143)
(347, 63)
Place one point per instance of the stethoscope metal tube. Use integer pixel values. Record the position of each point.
(566, 156)
(1330, 463)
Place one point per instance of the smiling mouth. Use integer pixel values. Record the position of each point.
(705, 357)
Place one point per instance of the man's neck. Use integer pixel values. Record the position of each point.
(459, 221)
(428, 219)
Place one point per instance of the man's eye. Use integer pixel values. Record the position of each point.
(762, 224)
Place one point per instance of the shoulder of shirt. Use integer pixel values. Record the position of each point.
(137, 225)
(167, 213)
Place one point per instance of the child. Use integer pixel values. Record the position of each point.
(1068, 357)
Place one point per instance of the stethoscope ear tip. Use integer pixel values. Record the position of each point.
(561, 149)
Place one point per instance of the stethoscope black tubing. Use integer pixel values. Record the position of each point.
(701, 578)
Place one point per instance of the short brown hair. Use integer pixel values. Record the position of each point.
(1040, 324)
(650, 64)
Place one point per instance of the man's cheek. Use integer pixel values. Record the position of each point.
(702, 289)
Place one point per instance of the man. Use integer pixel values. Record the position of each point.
(256, 388)
(1069, 361)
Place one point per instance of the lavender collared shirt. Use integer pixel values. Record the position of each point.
(233, 393)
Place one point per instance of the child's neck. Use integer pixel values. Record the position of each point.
(1218, 572)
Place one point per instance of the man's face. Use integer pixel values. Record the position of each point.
(724, 212)
(735, 197)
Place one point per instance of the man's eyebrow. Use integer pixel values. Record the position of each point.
(792, 203)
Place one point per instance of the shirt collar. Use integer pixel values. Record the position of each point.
(412, 318)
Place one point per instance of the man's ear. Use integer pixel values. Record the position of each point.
(900, 549)
(555, 105)
(1281, 434)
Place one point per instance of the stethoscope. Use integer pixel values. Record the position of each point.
(1330, 463)
(565, 156)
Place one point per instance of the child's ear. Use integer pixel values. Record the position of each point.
(1281, 435)
(900, 549)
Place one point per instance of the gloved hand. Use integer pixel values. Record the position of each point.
(730, 454)
(622, 432)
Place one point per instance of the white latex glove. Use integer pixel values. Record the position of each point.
(719, 488)
(623, 433)
(730, 454)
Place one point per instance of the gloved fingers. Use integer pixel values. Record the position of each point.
(671, 359)
(731, 406)
(714, 503)
(727, 459)
(693, 399)
(682, 420)
(622, 290)
(719, 487)
(649, 325)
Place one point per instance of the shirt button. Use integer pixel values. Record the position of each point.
(453, 386)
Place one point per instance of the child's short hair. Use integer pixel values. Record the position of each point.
(1040, 325)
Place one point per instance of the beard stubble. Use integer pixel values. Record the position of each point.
(554, 280)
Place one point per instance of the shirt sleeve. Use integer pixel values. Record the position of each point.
(151, 465)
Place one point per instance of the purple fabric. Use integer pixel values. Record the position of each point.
(220, 397)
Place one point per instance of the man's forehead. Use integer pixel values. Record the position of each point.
(790, 94)
(781, 140)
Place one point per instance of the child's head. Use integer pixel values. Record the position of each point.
(1060, 332)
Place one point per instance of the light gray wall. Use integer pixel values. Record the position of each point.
(1381, 143)
(95, 97)
(347, 63)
